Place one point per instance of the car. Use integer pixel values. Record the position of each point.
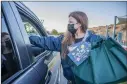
(125, 47)
(22, 62)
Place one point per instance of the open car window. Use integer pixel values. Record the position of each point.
(32, 30)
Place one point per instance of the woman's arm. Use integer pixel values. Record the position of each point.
(48, 43)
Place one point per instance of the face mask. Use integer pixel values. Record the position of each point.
(8, 44)
(72, 29)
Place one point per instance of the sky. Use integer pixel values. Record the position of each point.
(55, 14)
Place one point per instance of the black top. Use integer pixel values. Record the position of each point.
(78, 40)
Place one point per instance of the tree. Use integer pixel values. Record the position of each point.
(61, 33)
(54, 32)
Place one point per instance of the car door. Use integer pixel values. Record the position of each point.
(30, 66)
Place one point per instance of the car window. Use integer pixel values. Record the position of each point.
(9, 61)
(31, 30)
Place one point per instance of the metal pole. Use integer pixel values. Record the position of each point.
(106, 31)
(126, 32)
(126, 38)
(114, 26)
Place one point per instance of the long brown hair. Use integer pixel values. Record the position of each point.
(68, 39)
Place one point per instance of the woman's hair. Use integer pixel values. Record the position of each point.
(68, 39)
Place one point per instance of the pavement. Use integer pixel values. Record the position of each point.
(57, 71)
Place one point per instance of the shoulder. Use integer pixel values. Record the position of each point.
(94, 38)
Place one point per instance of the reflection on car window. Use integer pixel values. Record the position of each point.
(29, 27)
(31, 31)
(9, 62)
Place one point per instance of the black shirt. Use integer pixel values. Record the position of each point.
(78, 40)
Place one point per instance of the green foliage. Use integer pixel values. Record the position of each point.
(54, 32)
(29, 28)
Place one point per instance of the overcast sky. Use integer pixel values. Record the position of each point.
(55, 14)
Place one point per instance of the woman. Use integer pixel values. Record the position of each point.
(78, 24)
(76, 33)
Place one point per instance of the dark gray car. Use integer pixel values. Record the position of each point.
(22, 63)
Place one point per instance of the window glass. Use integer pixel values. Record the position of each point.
(31, 30)
(9, 62)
